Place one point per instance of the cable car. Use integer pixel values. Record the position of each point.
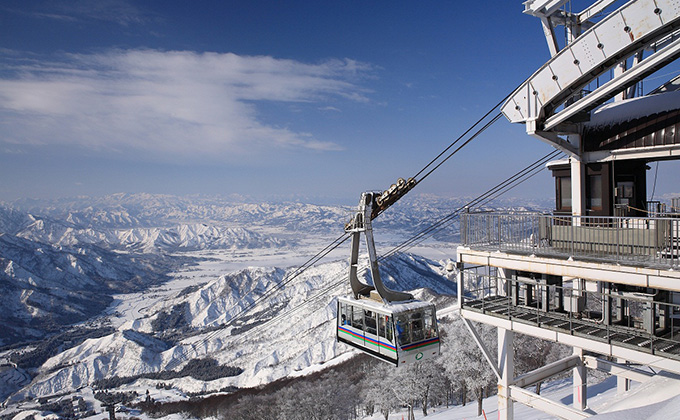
(399, 333)
(388, 324)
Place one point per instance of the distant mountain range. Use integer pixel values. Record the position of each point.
(57, 261)
(139, 220)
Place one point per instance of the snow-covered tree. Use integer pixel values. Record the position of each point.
(379, 388)
(532, 353)
(463, 361)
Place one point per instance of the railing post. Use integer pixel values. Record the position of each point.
(488, 229)
(463, 230)
(572, 230)
(499, 226)
(619, 226)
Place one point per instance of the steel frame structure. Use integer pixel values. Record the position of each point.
(621, 46)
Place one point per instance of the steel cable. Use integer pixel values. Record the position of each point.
(340, 240)
(491, 194)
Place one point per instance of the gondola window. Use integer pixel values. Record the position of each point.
(370, 323)
(358, 318)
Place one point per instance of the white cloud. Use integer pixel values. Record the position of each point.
(176, 103)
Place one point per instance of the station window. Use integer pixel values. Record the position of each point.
(594, 201)
(563, 193)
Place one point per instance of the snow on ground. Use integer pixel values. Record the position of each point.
(658, 399)
(126, 308)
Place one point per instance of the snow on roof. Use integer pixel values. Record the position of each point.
(559, 162)
(391, 307)
(630, 109)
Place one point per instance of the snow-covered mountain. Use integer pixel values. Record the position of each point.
(185, 237)
(54, 253)
(182, 237)
(288, 332)
(46, 287)
(154, 210)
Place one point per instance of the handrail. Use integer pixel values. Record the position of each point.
(646, 241)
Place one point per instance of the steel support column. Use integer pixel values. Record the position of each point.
(622, 383)
(578, 188)
(506, 368)
(580, 378)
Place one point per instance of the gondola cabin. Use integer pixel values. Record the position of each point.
(399, 332)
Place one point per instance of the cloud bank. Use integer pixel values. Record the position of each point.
(166, 103)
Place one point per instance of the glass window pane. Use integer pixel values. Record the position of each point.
(595, 192)
(430, 325)
(388, 332)
(565, 192)
(358, 318)
(417, 332)
(370, 323)
(403, 330)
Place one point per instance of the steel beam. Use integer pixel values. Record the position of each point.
(506, 367)
(541, 403)
(482, 347)
(665, 279)
(612, 87)
(651, 360)
(617, 369)
(547, 371)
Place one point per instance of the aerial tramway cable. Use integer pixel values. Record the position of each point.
(345, 236)
(491, 194)
(417, 180)
(340, 240)
(459, 138)
(481, 130)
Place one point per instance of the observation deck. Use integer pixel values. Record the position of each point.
(645, 242)
(603, 284)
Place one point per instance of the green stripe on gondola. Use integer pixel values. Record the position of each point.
(356, 336)
(421, 345)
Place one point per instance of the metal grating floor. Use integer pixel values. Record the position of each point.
(667, 345)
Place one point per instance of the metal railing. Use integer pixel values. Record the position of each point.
(631, 320)
(639, 241)
(675, 205)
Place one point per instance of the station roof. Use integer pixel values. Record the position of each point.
(632, 109)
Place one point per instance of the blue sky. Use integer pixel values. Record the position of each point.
(273, 100)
